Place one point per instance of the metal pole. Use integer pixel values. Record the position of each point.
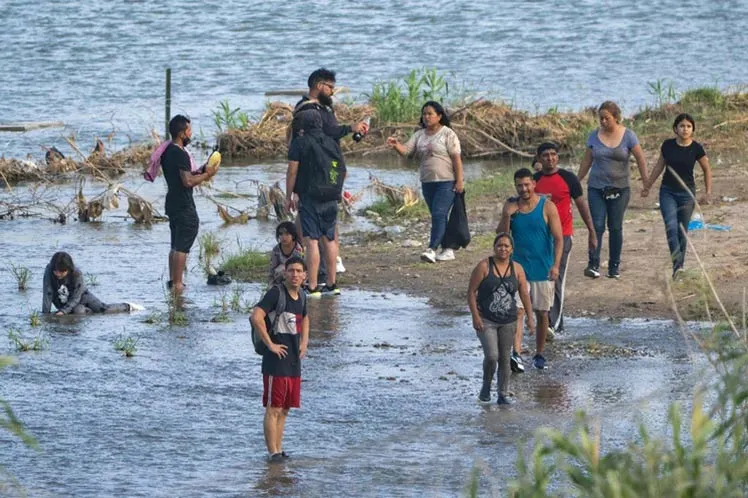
(168, 100)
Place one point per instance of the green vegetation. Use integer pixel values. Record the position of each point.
(227, 118)
(706, 96)
(236, 299)
(499, 184)
(21, 274)
(400, 101)
(11, 423)
(127, 345)
(91, 280)
(153, 318)
(387, 210)
(22, 344)
(663, 92)
(210, 248)
(247, 265)
(34, 319)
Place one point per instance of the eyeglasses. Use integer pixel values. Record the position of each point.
(329, 85)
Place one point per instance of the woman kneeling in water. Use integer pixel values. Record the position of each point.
(492, 296)
(64, 287)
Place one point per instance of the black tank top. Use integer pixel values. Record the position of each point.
(496, 293)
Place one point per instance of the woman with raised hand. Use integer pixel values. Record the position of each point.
(492, 293)
(678, 187)
(438, 148)
(606, 159)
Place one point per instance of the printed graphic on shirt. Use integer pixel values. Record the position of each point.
(502, 302)
(63, 294)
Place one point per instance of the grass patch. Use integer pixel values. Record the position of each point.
(126, 345)
(34, 319)
(153, 318)
(385, 209)
(497, 185)
(21, 274)
(210, 248)
(22, 344)
(249, 265)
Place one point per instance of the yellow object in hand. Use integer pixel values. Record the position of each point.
(214, 160)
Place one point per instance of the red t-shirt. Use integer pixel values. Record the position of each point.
(563, 186)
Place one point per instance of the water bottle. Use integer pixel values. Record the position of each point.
(358, 136)
(697, 222)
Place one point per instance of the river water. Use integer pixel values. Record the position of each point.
(389, 398)
(99, 66)
(389, 395)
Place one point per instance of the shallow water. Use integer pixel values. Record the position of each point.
(99, 66)
(389, 394)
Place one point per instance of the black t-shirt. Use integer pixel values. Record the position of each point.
(288, 332)
(329, 122)
(179, 198)
(682, 160)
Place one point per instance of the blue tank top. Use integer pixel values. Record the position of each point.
(533, 242)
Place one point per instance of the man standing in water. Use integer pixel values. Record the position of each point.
(180, 206)
(538, 246)
(563, 187)
(286, 346)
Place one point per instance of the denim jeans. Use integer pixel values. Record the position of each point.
(439, 197)
(612, 211)
(676, 207)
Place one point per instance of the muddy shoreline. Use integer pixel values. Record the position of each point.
(380, 262)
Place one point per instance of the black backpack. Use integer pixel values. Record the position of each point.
(272, 324)
(323, 168)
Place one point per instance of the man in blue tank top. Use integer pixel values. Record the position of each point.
(538, 245)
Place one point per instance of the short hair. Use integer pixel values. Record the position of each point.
(296, 260)
(523, 173)
(501, 235)
(544, 147)
(612, 108)
(62, 261)
(684, 117)
(288, 226)
(309, 119)
(321, 74)
(178, 124)
(444, 120)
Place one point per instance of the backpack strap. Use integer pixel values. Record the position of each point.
(280, 307)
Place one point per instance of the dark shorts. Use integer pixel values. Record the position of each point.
(282, 392)
(318, 218)
(183, 228)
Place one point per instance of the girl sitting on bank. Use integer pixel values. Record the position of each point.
(288, 246)
(64, 287)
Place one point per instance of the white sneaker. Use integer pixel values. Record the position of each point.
(135, 307)
(429, 256)
(339, 268)
(446, 255)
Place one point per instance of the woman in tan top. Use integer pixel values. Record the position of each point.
(438, 149)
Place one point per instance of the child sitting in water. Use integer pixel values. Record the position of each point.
(288, 246)
(64, 287)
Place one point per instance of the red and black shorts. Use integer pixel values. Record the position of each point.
(284, 392)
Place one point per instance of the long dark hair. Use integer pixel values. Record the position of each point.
(684, 117)
(444, 120)
(62, 261)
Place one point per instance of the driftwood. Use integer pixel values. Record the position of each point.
(403, 197)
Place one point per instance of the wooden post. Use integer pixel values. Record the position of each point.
(168, 100)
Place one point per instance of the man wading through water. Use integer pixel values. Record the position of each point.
(180, 206)
(321, 85)
(286, 346)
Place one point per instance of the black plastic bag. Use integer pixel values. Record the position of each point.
(458, 232)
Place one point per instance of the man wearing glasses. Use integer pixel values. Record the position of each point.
(321, 89)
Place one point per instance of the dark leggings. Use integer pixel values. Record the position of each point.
(91, 304)
(497, 349)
